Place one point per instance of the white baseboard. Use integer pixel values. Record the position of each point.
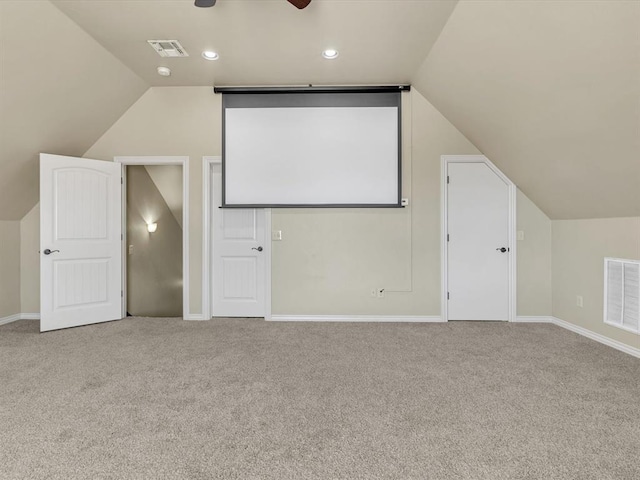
(357, 318)
(398, 319)
(533, 319)
(9, 319)
(597, 337)
(196, 317)
(19, 316)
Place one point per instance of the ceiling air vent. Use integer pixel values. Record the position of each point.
(622, 293)
(168, 48)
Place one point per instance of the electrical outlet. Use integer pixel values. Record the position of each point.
(130, 249)
(276, 235)
(380, 293)
(579, 301)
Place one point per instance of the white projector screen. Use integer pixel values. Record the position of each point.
(339, 150)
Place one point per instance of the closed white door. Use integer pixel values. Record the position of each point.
(80, 246)
(478, 246)
(240, 250)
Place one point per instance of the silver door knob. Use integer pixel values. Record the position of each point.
(49, 252)
(502, 249)
(258, 249)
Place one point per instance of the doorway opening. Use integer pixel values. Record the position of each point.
(154, 240)
(155, 236)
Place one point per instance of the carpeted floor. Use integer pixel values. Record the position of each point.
(248, 399)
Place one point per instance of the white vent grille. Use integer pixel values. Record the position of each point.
(168, 48)
(622, 293)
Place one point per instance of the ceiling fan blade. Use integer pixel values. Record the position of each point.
(299, 3)
(205, 3)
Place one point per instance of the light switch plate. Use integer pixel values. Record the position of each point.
(404, 202)
(276, 235)
(520, 235)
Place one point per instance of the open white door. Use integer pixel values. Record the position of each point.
(239, 259)
(478, 243)
(80, 246)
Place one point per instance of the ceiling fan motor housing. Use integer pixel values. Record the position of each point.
(210, 3)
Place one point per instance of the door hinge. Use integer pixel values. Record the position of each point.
(447, 178)
(447, 237)
(121, 181)
(447, 295)
(122, 236)
(122, 293)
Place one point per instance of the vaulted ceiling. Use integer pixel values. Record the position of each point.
(71, 68)
(262, 42)
(60, 90)
(550, 91)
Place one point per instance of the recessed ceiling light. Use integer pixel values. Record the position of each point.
(330, 54)
(164, 71)
(210, 55)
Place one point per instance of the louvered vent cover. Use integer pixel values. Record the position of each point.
(622, 293)
(168, 48)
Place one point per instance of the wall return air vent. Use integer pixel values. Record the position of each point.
(168, 48)
(622, 293)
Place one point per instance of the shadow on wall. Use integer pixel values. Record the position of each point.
(154, 260)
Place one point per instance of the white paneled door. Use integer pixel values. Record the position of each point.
(478, 243)
(80, 241)
(240, 252)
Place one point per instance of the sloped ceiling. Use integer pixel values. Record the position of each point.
(266, 42)
(60, 90)
(168, 181)
(550, 92)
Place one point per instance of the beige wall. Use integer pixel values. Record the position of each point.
(534, 259)
(329, 260)
(30, 261)
(579, 248)
(9, 268)
(154, 263)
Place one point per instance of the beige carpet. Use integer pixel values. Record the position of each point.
(247, 399)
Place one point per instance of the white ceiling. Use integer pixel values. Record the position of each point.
(267, 42)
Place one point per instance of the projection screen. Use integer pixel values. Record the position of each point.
(301, 149)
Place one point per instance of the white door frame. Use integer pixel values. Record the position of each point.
(208, 244)
(152, 160)
(444, 254)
